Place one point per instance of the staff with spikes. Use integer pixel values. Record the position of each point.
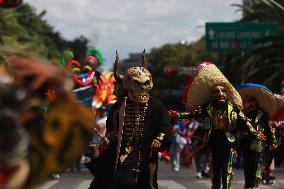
(121, 112)
(144, 60)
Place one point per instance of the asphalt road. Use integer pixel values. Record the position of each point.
(184, 179)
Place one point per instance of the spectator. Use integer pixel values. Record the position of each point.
(199, 149)
(178, 143)
(99, 132)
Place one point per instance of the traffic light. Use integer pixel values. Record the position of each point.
(10, 3)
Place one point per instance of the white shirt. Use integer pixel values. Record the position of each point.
(102, 123)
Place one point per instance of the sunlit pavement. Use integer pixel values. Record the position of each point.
(168, 179)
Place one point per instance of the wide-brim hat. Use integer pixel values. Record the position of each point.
(264, 97)
(279, 99)
(198, 88)
(279, 113)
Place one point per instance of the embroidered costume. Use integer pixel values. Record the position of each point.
(210, 98)
(259, 104)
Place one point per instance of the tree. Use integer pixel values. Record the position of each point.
(170, 86)
(177, 55)
(22, 28)
(265, 63)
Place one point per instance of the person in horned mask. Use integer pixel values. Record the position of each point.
(136, 128)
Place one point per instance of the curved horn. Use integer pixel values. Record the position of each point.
(115, 67)
(144, 60)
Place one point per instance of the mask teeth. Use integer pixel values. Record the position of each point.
(143, 96)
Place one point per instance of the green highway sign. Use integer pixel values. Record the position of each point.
(237, 36)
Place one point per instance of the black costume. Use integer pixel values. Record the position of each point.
(138, 168)
(222, 126)
(253, 148)
(136, 125)
(208, 84)
(259, 104)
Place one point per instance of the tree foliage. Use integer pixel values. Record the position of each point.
(22, 28)
(265, 63)
(177, 55)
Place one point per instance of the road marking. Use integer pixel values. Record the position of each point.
(48, 184)
(85, 184)
(169, 184)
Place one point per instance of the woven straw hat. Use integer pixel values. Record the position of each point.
(264, 97)
(279, 113)
(279, 99)
(198, 89)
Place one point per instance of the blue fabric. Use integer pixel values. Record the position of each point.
(180, 125)
(247, 85)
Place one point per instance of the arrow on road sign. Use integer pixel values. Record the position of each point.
(211, 34)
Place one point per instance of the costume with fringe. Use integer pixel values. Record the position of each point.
(134, 122)
(222, 125)
(252, 147)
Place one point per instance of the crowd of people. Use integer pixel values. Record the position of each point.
(233, 130)
(230, 128)
(190, 150)
(237, 120)
(188, 146)
(224, 127)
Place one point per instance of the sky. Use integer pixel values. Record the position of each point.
(134, 25)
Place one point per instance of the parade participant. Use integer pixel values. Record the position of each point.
(136, 125)
(103, 99)
(14, 166)
(279, 112)
(278, 124)
(259, 104)
(85, 74)
(199, 149)
(186, 154)
(30, 150)
(210, 97)
(278, 128)
(85, 77)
